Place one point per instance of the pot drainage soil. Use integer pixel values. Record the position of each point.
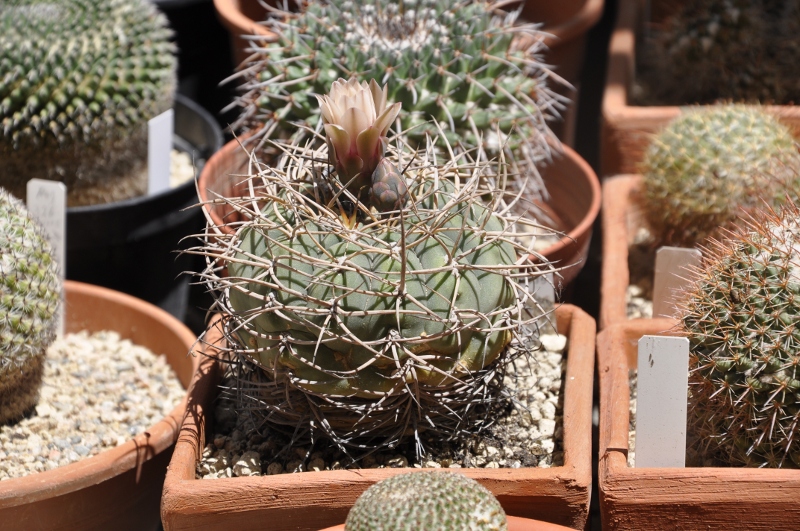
(98, 392)
(528, 433)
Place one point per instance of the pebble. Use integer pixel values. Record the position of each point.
(81, 383)
(529, 435)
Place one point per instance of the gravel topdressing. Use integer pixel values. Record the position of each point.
(98, 392)
(528, 434)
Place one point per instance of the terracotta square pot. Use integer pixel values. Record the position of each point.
(675, 498)
(315, 500)
(620, 220)
(626, 128)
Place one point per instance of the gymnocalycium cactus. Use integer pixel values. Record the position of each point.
(434, 501)
(463, 64)
(30, 293)
(742, 317)
(79, 79)
(712, 164)
(371, 320)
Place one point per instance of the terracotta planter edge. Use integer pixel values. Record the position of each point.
(515, 523)
(675, 498)
(218, 503)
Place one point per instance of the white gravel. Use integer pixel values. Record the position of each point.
(529, 434)
(98, 391)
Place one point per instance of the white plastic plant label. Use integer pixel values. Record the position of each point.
(672, 274)
(159, 147)
(663, 380)
(47, 204)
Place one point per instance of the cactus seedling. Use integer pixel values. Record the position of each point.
(742, 318)
(29, 297)
(434, 501)
(712, 164)
(79, 79)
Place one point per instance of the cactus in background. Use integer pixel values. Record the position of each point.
(373, 316)
(710, 165)
(453, 62)
(742, 318)
(729, 49)
(434, 501)
(30, 293)
(79, 79)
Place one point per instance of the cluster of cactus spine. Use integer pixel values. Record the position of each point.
(729, 49)
(472, 70)
(380, 319)
(711, 165)
(742, 318)
(79, 79)
(30, 293)
(434, 501)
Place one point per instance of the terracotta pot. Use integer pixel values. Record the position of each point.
(675, 498)
(573, 186)
(620, 221)
(313, 500)
(514, 524)
(567, 23)
(119, 488)
(626, 128)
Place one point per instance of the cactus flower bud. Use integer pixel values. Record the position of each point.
(389, 190)
(356, 120)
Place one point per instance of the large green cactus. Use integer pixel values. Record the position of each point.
(712, 164)
(742, 318)
(433, 501)
(79, 79)
(376, 311)
(30, 292)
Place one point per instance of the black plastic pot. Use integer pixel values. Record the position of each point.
(133, 245)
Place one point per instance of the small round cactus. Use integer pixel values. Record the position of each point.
(79, 79)
(30, 293)
(712, 164)
(434, 501)
(742, 318)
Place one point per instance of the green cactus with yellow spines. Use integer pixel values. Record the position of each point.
(710, 165)
(30, 293)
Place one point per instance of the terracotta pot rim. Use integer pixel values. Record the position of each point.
(567, 156)
(570, 156)
(577, 25)
(114, 461)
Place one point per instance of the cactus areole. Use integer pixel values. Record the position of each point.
(389, 311)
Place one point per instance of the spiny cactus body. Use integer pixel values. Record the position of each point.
(453, 62)
(711, 164)
(30, 292)
(370, 320)
(742, 318)
(79, 79)
(434, 501)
